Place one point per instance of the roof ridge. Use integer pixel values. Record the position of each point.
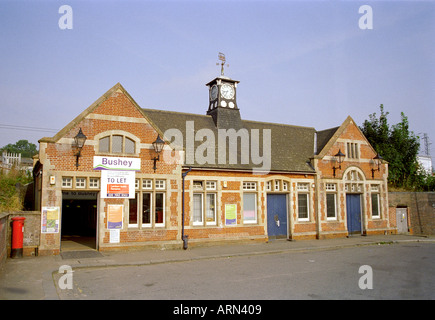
(332, 128)
(207, 116)
(177, 112)
(279, 124)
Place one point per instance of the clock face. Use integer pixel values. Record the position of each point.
(213, 92)
(227, 91)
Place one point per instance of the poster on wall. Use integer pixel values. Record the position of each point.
(50, 219)
(117, 184)
(230, 214)
(114, 235)
(114, 216)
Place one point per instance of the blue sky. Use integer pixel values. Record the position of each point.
(304, 63)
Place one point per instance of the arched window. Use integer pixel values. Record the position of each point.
(354, 181)
(117, 144)
(354, 175)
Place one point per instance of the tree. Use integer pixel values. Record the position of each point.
(406, 146)
(377, 131)
(26, 148)
(398, 146)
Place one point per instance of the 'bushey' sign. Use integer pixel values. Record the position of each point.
(116, 163)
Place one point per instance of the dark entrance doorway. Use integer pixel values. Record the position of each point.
(353, 213)
(79, 220)
(276, 216)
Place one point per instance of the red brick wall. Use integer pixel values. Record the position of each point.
(62, 155)
(363, 164)
(229, 194)
(116, 112)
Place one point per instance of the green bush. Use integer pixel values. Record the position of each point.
(10, 197)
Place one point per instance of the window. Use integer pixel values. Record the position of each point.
(249, 186)
(159, 211)
(104, 144)
(160, 184)
(150, 216)
(249, 202)
(210, 185)
(117, 144)
(375, 205)
(303, 186)
(331, 201)
(277, 182)
(210, 210)
(303, 201)
(66, 182)
(147, 184)
(147, 210)
(133, 211)
(284, 186)
(352, 150)
(129, 146)
(353, 184)
(331, 212)
(80, 183)
(277, 185)
(352, 187)
(331, 187)
(197, 209)
(197, 185)
(249, 208)
(303, 207)
(204, 203)
(94, 183)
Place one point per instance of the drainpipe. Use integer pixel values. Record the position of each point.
(183, 237)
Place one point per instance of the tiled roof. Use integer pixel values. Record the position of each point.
(291, 147)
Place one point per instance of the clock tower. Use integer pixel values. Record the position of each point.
(222, 100)
(222, 93)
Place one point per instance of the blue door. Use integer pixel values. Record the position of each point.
(353, 204)
(277, 215)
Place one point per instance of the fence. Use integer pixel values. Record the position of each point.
(10, 159)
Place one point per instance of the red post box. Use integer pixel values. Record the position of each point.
(17, 237)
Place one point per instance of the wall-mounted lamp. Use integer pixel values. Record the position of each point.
(339, 157)
(377, 160)
(79, 142)
(158, 147)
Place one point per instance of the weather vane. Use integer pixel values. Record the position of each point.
(222, 58)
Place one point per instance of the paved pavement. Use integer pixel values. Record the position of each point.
(31, 278)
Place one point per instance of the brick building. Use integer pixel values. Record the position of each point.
(243, 180)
